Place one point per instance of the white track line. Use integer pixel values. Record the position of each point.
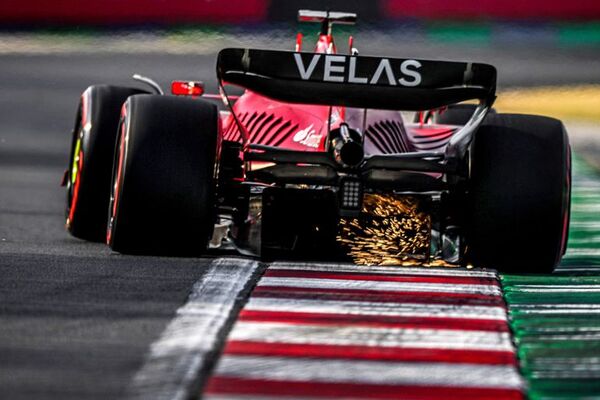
(586, 208)
(585, 225)
(595, 239)
(340, 335)
(557, 288)
(583, 251)
(370, 372)
(188, 343)
(407, 287)
(374, 308)
(388, 270)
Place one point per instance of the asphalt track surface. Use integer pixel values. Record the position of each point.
(76, 321)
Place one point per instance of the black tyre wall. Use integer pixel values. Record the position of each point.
(101, 105)
(520, 193)
(166, 191)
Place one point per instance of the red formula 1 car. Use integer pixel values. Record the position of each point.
(324, 155)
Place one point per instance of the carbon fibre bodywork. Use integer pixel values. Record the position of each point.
(287, 124)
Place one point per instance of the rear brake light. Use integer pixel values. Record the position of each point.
(299, 42)
(187, 88)
(351, 197)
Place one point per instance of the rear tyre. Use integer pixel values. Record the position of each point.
(91, 157)
(163, 197)
(519, 194)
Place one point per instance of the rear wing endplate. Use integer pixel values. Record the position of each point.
(357, 81)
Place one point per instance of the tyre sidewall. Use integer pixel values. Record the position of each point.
(519, 193)
(100, 109)
(166, 199)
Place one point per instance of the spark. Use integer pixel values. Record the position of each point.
(391, 230)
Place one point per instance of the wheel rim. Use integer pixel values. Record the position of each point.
(83, 126)
(75, 179)
(117, 175)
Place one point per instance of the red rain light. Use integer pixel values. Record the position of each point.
(187, 88)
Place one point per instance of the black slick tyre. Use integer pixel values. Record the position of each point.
(163, 196)
(90, 164)
(518, 213)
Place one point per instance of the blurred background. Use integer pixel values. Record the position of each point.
(51, 50)
(547, 53)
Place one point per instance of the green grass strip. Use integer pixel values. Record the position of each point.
(511, 282)
(456, 32)
(551, 297)
(563, 389)
(555, 318)
(579, 34)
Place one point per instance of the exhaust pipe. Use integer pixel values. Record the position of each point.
(347, 146)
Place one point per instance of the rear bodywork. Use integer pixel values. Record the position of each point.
(319, 158)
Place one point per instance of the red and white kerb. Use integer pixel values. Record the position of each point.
(340, 331)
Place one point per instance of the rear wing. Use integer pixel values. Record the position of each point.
(335, 17)
(326, 19)
(357, 81)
